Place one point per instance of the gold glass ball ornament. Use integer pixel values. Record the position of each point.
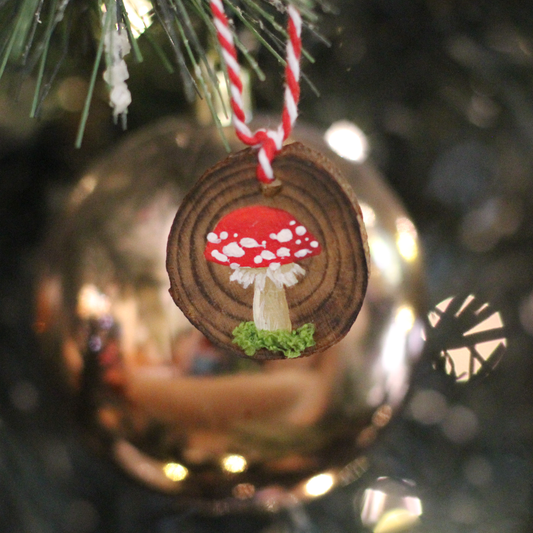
(173, 410)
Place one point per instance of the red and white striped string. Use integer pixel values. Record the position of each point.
(268, 141)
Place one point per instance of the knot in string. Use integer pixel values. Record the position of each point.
(268, 142)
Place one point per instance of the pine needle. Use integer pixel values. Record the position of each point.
(203, 58)
(85, 113)
(201, 80)
(238, 43)
(25, 22)
(186, 24)
(267, 16)
(125, 19)
(42, 64)
(211, 28)
(254, 31)
(165, 16)
(9, 47)
(38, 84)
(281, 46)
(159, 52)
(280, 29)
(318, 35)
(36, 21)
(48, 86)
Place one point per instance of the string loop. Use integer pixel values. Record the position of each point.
(269, 142)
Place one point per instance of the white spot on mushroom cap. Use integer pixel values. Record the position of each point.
(302, 253)
(248, 242)
(258, 259)
(217, 255)
(235, 234)
(266, 254)
(213, 237)
(224, 235)
(299, 241)
(274, 266)
(292, 222)
(283, 252)
(285, 235)
(314, 244)
(300, 230)
(233, 250)
(234, 265)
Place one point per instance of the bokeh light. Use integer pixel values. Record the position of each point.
(140, 14)
(319, 485)
(175, 471)
(347, 140)
(234, 464)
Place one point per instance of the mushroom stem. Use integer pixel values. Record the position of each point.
(271, 311)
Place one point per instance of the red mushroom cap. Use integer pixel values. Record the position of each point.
(259, 236)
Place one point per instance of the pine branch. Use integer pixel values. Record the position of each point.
(40, 30)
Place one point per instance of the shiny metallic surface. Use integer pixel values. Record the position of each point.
(176, 412)
(390, 505)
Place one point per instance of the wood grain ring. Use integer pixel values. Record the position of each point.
(331, 293)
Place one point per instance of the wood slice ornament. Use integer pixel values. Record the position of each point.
(273, 271)
(295, 234)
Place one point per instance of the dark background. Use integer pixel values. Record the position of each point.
(444, 91)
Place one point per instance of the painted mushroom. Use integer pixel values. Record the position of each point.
(261, 245)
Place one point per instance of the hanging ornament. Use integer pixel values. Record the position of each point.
(295, 234)
(172, 409)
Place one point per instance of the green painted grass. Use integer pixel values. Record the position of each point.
(290, 343)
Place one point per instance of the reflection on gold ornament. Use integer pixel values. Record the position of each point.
(390, 506)
(175, 471)
(319, 484)
(406, 239)
(234, 464)
(180, 414)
